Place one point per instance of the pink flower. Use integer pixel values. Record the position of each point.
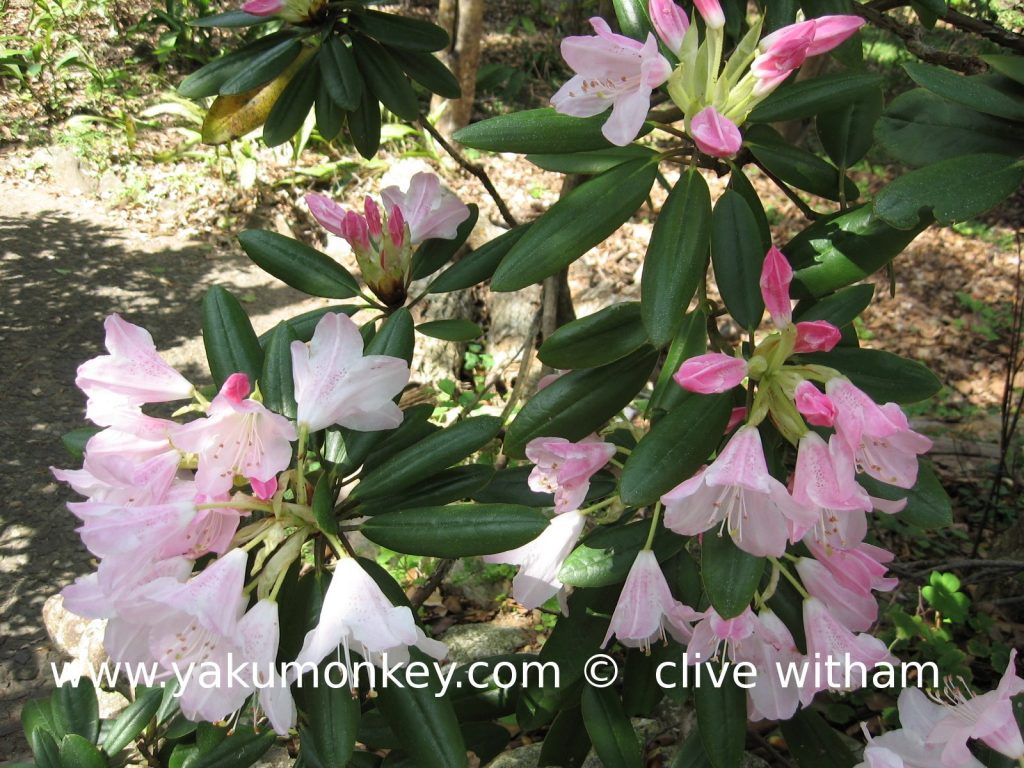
(670, 22)
(737, 492)
(711, 372)
(879, 437)
(646, 608)
(736, 417)
(565, 468)
(813, 405)
(111, 530)
(113, 479)
(611, 70)
(786, 49)
(712, 631)
(856, 609)
(113, 589)
(263, 7)
(860, 568)
(132, 374)
(294, 11)
(832, 31)
(711, 12)
(238, 437)
(989, 718)
(715, 134)
(355, 612)
(336, 384)
(828, 639)
(776, 276)
(428, 210)
(771, 649)
(816, 336)
(540, 561)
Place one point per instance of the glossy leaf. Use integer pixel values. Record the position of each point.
(332, 719)
(675, 448)
(384, 78)
(1007, 64)
(78, 752)
(597, 161)
(691, 340)
(231, 344)
(132, 720)
(597, 339)
(575, 224)
(396, 337)
(455, 484)
(847, 132)
(605, 557)
(229, 19)
(740, 184)
(730, 575)
(972, 92)
(75, 710)
(884, 376)
(303, 268)
(807, 98)
(330, 118)
(677, 257)
(364, 125)
(262, 68)
(567, 743)
(722, 718)
(511, 486)
(208, 80)
(813, 743)
(451, 330)
(610, 730)
(928, 504)
(633, 18)
(737, 258)
(399, 31)
(540, 131)
(340, 74)
(839, 308)
(426, 70)
(579, 402)
(797, 166)
(292, 107)
(238, 750)
(478, 265)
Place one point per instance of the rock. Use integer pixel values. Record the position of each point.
(78, 638)
(470, 579)
(276, 757)
(469, 642)
(110, 703)
(520, 757)
(65, 170)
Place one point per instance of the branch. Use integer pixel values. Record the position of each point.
(427, 589)
(987, 29)
(472, 168)
(913, 37)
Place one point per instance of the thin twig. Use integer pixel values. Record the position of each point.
(805, 209)
(524, 366)
(472, 168)
(426, 590)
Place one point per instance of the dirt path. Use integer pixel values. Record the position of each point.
(66, 263)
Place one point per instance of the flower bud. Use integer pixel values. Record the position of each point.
(670, 22)
(776, 275)
(714, 134)
(816, 336)
(711, 12)
(711, 373)
(814, 405)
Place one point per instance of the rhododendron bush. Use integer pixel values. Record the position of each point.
(689, 508)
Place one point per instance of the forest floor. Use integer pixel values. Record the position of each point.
(110, 205)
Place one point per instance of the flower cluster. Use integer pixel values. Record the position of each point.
(618, 71)
(161, 494)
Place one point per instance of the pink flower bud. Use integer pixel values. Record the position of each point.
(373, 218)
(736, 418)
(715, 135)
(781, 52)
(711, 373)
(831, 31)
(814, 405)
(670, 22)
(711, 12)
(264, 490)
(263, 7)
(396, 226)
(328, 213)
(816, 336)
(236, 387)
(355, 230)
(776, 275)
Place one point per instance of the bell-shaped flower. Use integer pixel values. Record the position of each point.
(856, 609)
(714, 636)
(356, 613)
(816, 336)
(428, 209)
(113, 589)
(564, 468)
(611, 70)
(646, 608)
(714, 134)
(989, 717)
(670, 22)
(540, 560)
(771, 650)
(815, 406)
(211, 530)
(776, 276)
(738, 493)
(132, 374)
(861, 568)
(711, 373)
(115, 479)
(828, 639)
(239, 436)
(711, 12)
(336, 384)
(880, 437)
(111, 530)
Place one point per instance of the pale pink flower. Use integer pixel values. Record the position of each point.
(737, 492)
(670, 22)
(426, 208)
(776, 276)
(816, 336)
(133, 373)
(564, 468)
(113, 589)
(355, 612)
(646, 608)
(715, 134)
(263, 7)
(540, 560)
(771, 649)
(611, 70)
(294, 11)
(856, 609)
(828, 638)
(211, 530)
(736, 417)
(711, 372)
(111, 530)
(239, 436)
(115, 479)
(883, 444)
(786, 49)
(815, 406)
(711, 12)
(824, 482)
(336, 384)
(988, 717)
(713, 632)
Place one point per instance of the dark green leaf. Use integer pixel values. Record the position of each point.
(597, 161)
(364, 125)
(396, 338)
(479, 265)
(302, 326)
(485, 740)
(510, 486)
(972, 92)
(605, 557)
(276, 381)
(231, 344)
(426, 70)
(229, 19)
(952, 190)
(262, 68)
(567, 743)
(37, 714)
(814, 744)
(239, 750)
(730, 575)
(76, 440)
(78, 752)
(928, 504)
(332, 719)
(330, 118)
(432, 454)
(847, 131)
(292, 107)
(298, 265)
(575, 224)
(675, 448)
(691, 753)
(44, 749)
(597, 339)
(737, 257)
(76, 710)
(633, 18)
(451, 330)
(677, 257)
(399, 31)
(839, 308)
(884, 376)
(722, 718)
(690, 341)
(536, 131)
(481, 698)
(457, 530)
(132, 720)
(384, 78)
(208, 80)
(740, 184)
(610, 730)
(1007, 64)
(436, 252)
(579, 402)
(442, 488)
(340, 74)
(797, 166)
(807, 98)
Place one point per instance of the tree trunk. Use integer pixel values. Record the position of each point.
(464, 21)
